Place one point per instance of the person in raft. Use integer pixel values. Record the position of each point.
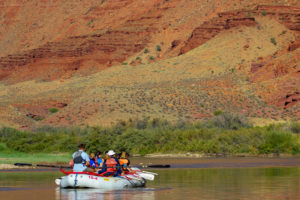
(124, 161)
(111, 164)
(98, 159)
(93, 163)
(81, 160)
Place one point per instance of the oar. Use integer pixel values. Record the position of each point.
(59, 166)
(159, 166)
(40, 165)
(153, 166)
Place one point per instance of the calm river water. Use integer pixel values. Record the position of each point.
(205, 183)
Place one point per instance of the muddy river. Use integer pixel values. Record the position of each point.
(187, 179)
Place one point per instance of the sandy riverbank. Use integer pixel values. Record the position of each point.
(11, 166)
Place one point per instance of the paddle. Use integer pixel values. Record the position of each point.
(145, 174)
(40, 165)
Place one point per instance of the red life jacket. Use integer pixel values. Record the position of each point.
(111, 164)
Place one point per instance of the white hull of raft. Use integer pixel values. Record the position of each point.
(90, 181)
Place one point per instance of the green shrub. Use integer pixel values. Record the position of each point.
(230, 121)
(152, 58)
(273, 41)
(90, 22)
(283, 32)
(263, 13)
(39, 118)
(295, 127)
(218, 112)
(158, 48)
(279, 142)
(53, 110)
(146, 51)
(143, 136)
(124, 63)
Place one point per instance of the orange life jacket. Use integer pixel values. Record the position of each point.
(123, 161)
(111, 164)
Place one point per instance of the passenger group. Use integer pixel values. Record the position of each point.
(109, 164)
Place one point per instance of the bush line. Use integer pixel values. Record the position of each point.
(220, 135)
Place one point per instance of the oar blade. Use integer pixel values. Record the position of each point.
(146, 176)
(23, 164)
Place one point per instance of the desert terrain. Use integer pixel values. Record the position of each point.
(78, 63)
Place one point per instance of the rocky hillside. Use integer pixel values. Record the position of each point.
(96, 62)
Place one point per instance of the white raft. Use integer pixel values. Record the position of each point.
(91, 181)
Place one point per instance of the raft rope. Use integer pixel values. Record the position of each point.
(75, 181)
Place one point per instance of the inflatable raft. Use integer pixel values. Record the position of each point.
(92, 180)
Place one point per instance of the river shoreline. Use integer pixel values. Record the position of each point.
(218, 155)
(191, 162)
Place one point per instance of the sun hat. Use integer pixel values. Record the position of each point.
(111, 153)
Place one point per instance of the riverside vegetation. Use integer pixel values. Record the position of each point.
(225, 133)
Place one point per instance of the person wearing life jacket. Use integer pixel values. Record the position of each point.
(98, 159)
(103, 167)
(81, 160)
(92, 160)
(124, 161)
(113, 164)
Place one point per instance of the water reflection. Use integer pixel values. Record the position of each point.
(192, 184)
(98, 194)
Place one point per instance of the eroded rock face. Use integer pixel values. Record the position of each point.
(295, 45)
(256, 66)
(77, 47)
(213, 27)
(61, 105)
(289, 100)
(112, 46)
(289, 16)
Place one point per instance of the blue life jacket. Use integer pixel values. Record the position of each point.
(92, 163)
(99, 161)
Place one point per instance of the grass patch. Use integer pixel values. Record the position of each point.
(53, 110)
(35, 158)
(9, 156)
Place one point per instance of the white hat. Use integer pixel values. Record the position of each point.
(111, 153)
